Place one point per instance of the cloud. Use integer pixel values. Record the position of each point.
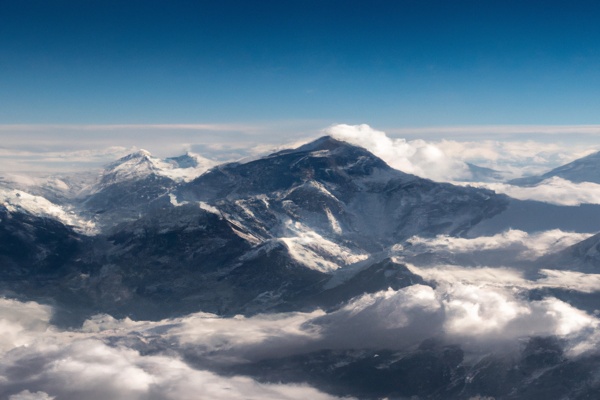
(487, 313)
(245, 338)
(27, 395)
(90, 369)
(445, 160)
(21, 323)
(487, 308)
(23, 145)
(57, 161)
(506, 247)
(483, 131)
(414, 157)
(64, 148)
(509, 278)
(554, 190)
(474, 307)
(570, 280)
(390, 319)
(482, 309)
(515, 157)
(38, 361)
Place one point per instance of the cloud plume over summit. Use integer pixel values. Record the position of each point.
(416, 157)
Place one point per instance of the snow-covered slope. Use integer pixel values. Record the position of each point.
(19, 201)
(57, 188)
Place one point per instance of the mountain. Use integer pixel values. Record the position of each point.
(33, 244)
(269, 234)
(438, 370)
(338, 190)
(316, 227)
(297, 229)
(586, 169)
(583, 256)
(137, 183)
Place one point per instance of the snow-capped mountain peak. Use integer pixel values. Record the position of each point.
(142, 163)
(132, 166)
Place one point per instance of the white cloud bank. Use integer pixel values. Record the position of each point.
(554, 190)
(482, 309)
(445, 160)
(514, 244)
(38, 361)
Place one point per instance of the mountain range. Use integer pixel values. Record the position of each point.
(297, 230)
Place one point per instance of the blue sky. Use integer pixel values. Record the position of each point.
(386, 63)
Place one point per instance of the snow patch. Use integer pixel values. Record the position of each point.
(245, 208)
(173, 200)
(244, 235)
(315, 252)
(335, 225)
(209, 208)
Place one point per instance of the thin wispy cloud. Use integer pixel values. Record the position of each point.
(497, 130)
(506, 247)
(554, 190)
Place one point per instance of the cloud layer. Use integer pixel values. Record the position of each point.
(507, 247)
(41, 362)
(60, 148)
(481, 309)
(445, 160)
(554, 190)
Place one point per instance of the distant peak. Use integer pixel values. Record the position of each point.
(188, 160)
